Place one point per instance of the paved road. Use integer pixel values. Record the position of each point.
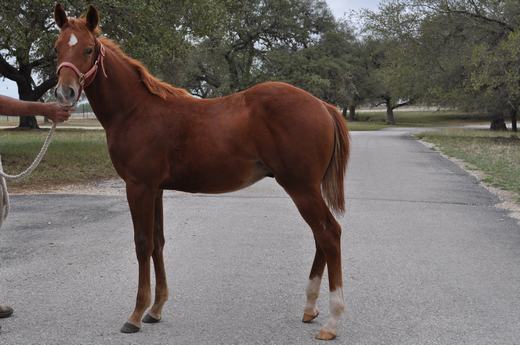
(428, 259)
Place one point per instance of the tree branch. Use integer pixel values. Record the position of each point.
(402, 104)
(480, 17)
(9, 71)
(43, 87)
(39, 62)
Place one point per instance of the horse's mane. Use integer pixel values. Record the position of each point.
(153, 84)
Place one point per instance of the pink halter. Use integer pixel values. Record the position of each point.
(85, 79)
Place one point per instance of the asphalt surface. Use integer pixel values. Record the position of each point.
(427, 257)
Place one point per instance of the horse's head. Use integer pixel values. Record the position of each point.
(79, 53)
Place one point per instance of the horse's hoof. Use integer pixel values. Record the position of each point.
(150, 319)
(307, 318)
(325, 335)
(129, 328)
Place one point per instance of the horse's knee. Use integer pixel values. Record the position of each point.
(158, 246)
(144, 247)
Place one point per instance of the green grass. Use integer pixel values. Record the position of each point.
(421, 118)
(497, 154)
(76, 122)
(74, 156)
(365, 126)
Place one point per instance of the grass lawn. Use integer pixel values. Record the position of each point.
(423, 118)
(365, 126)
(73, 156)
(497, 154)
(373, 121)
(75, 122)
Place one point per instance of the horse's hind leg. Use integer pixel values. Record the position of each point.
(310, 312)
(161, 285)
(327, 233)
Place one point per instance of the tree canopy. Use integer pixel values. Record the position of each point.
(453, 53)
(458, 53)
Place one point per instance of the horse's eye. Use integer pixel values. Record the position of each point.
(88, 51)
(56, 50)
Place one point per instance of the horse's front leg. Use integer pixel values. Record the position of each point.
(141, 200)
(161, 286)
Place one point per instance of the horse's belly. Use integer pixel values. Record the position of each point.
(224, 179)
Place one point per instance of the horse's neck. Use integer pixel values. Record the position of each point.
(115, 97)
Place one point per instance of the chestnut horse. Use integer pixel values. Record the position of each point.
(160, 137)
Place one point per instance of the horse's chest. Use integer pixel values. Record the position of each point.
(132, 161)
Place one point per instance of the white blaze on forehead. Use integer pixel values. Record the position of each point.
(73, 40)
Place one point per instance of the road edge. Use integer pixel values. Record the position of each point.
(103, 187)
(505, 197)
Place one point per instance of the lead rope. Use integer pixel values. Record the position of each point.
(4, 195)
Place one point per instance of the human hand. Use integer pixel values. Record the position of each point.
(55, 112)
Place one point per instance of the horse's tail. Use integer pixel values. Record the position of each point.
(332, 183)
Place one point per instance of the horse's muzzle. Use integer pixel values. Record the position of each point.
(66, 95)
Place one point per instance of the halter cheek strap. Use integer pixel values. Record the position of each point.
(85, 79)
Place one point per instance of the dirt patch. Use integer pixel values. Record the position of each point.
(105, 187)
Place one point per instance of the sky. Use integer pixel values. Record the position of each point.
(338, 7)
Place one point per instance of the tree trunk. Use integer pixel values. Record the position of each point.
(498, 123)
(22, 77)
(352, 112)
(233, 71)
(390, 119)
(514, 114)
(27, 122)
(344, 112)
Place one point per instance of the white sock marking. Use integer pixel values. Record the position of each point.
(73, 40)
(312, 291)
(337, 306)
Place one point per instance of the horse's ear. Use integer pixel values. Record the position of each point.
(60, 16)
(92, 18)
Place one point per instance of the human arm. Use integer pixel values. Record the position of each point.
(13, 107)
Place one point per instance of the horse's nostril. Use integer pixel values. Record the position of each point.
(72, 93)
(58, 92)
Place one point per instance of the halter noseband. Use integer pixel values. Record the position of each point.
(85, 79)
